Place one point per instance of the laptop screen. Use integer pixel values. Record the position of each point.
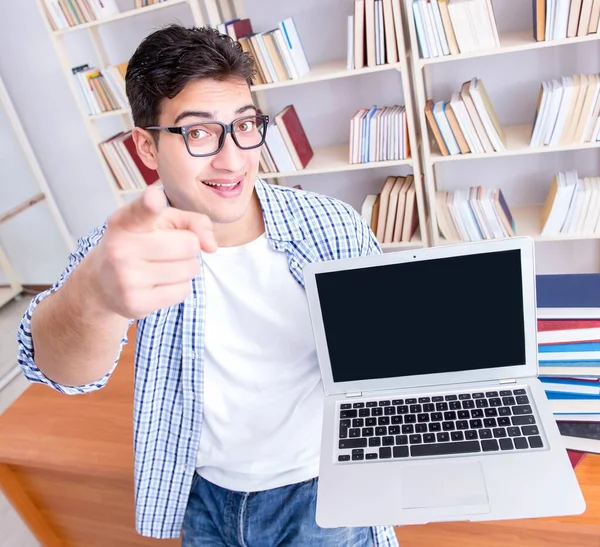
(422, 317)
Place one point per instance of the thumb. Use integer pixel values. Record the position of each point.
(141, 214)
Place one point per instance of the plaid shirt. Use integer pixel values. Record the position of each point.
(169, 353)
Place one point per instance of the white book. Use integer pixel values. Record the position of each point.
(350, 43)
(429, 29)
(279, 150)
(550, 16)
(561, 19)
(493, 26)
(286, 54)
(486, 119)
(581, 215)
(445, 129)
(378, 59)
(555, 98)
(292, 38)
(594, 208)
(421, 32)
(439, 25)
(434, 28)
(563, 110)
(536, 135)
(466, 124)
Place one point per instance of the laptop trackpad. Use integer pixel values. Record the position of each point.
(448, 489)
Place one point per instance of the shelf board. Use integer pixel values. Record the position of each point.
(527, 222)
(510, 42)
(414, 243)
(517, 144)
(111, 113)
(334, 159)
(327, 71)
(122, 15)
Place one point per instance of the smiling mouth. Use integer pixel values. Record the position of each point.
(224, 185)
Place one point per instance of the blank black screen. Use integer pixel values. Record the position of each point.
(429, 316)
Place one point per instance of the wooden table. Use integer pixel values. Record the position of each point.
(66, 465)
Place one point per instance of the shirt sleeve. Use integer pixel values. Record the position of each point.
(25, 353)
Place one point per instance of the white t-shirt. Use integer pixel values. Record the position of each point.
(263, 396)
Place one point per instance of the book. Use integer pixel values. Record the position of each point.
(568, 296)
(581, 436)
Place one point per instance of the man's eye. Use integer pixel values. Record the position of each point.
(197, 133)
(246, 126)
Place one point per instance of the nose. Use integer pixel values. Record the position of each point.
(230, 157)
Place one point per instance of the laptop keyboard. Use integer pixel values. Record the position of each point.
(461, 423)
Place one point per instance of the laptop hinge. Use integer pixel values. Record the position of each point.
(354, 394)
(508, 381)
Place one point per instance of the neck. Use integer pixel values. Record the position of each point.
(248, 228)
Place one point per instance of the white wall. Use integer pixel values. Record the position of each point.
(33, 75)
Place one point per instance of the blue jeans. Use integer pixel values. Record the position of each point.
(283, 516)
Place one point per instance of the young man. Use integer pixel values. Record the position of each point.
(228, 396)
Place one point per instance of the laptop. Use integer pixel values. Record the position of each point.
(433, 408)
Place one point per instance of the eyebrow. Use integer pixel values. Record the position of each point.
(209, 115)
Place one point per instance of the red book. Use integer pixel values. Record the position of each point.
(294, 136)
(567, 324)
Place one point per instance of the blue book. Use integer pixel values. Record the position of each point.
(568, 295)
(567, 348)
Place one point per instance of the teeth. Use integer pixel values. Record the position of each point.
(230, 185)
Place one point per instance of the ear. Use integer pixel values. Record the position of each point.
(146, 148)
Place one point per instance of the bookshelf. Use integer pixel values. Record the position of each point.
(24, 198)
(515, 46)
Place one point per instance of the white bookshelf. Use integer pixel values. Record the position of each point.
(517, 135)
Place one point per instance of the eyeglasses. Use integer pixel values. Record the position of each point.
(207, 138)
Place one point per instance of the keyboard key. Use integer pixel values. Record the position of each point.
(381, 430)
(475, 424)
(490, 445)
(499, 432)
(345, 406)
(343, 432)
(397, 402)
(371, 403)
(463, 396)
(389, 410)
(457, 436)
(476, 413)
(410, 401)
(394, 430)
(385, 452)
(437, 398)
(504, 421)
(401, 439)
(436, 416)
(491, 394)
(429, 407)
(490, 412)
(437, 449)
(478, 395)
(376, 411)
(441, 407)
(435, 426)
(345, 423)
(523, 420)
(416, 409)
(383, 420)
(521, 443)
(530, 430)
(464, 414)
(462, 424)
(364, 412)
(387, 441)
(354, 432)
(450, 415)
(384, 403)
(354, 443)
(408, 428)
(469, 435)
(454, 405)
(510, 401)
(414, 439)
(371, 421)
(504, 411)
(375, 441)
(358, 422)
(485, 433)
(400, 451)
(424, 399)
(448, 426)
(358, 451)
(396, 419)
(410, 419)
(402, 409)
(520, 392)
(489, 422)
(358, 405)
(443, 437)
(520, 410)
(506, 444)
(514, 431)
(348, 414)
(495, 401)
(372, 456)
(469, 403)
(506, 393)
(481, 403)
(451, 397)
(429, 438)
(535, 442)
(421, 428)
(522, 400)
(423, 418)
(344, 458)
(368, 432)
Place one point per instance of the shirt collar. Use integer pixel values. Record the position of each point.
(279, 212)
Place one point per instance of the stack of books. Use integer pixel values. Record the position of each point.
(278, 53)
(129, 170)
(559, 19)
(102, 90)
(567, 111)
(572, 206)
(379, 134)
(448, 27)
(286, 147)
(374, 33)
(473, 214)
(62, 15)
(467, 123)
(392, 213)
(568, 310)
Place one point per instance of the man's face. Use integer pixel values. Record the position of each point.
(220, 186)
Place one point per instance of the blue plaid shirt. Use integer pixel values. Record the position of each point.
(168, 407)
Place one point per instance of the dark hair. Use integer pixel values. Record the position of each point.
(169, 58)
